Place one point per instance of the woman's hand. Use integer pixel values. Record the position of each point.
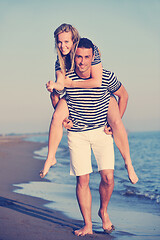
(50, 86)
(54, 85)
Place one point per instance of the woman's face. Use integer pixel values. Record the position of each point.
(65, 42)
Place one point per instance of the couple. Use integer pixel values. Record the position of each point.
(88, 99)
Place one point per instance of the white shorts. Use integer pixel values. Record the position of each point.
(80, 145)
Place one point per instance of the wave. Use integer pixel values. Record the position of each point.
(144, 195)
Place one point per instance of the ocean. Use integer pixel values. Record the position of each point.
(132, 208)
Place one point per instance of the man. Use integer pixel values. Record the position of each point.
(88, 110)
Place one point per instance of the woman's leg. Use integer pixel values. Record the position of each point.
(55, 135)
(120, 137)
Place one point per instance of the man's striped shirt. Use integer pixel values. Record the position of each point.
(88, 107)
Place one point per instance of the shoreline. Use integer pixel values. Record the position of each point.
(22, 216)
(28, 217)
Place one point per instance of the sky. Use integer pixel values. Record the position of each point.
(127, 33)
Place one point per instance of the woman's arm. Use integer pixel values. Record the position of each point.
(59, 84)
(54, 99)
(93, 82)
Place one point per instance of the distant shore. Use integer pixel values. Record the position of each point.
(22, 216)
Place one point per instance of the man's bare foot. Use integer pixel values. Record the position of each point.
(131, 173)
(87, 229)
(106, 223)
(48, 163)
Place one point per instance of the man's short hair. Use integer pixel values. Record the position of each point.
(86, 43)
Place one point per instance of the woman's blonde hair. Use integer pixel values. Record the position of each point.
(66, 63)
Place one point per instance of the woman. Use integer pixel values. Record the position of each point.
(66, 40)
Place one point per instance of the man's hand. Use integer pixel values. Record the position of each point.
(67, 123)
(68, 82)
(108, 130)
(50, 86)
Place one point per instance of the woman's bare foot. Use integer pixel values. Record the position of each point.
(131, 173)
(48, 163)
(106, 223)
(87, 229)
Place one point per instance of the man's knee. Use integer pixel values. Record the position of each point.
(83, 181)
(107, 177)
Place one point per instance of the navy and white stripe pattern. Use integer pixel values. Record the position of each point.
(88, 107)
(57, 65)
(96, 60)
(97, 57)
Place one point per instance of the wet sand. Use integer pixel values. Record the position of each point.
(22, 216)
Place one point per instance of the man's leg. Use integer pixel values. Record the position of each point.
(105, 189)
(103, 149)
(84, 199)
(81, 167)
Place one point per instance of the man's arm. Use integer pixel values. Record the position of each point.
(122, 99)
(122, 104)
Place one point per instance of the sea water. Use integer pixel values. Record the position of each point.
(138, 203)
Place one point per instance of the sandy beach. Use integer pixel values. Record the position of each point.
(23, 217)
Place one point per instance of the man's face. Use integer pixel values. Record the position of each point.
(83, 59)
